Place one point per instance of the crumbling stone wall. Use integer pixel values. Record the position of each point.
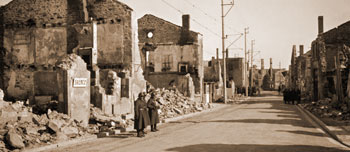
(172, 47)
(339, 35)
(2, 49)
(74, 87)
(39, 32)
(27, 50)
(324, 50)
(235, 70)
(115, 32)
(37, 12)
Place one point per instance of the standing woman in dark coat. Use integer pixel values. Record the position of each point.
(141, 115)
(153, 112)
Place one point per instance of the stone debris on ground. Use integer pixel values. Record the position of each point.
(329, 108)
(172, 103)
(21, 128)
(237, 99)
(104, 125)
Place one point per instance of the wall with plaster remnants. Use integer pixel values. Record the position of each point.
(28, 50)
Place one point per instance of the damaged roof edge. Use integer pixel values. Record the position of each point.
(168, 22)
(125, 5)
(121, 3)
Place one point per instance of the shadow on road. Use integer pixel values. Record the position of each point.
(255, 148)
(293, 122)
(304, 133)
(287, 114)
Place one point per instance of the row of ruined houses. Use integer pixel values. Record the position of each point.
(82, 52)
(238, 79)
(323, 72)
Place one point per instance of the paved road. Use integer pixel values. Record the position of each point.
(261, 125)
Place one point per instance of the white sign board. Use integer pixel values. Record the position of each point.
(80, 82)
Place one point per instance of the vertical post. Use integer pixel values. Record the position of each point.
(251, 65)
(245, 60)
(339, 89)
(223, 46)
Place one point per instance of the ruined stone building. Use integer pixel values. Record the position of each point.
(271, 79)
(301, 75)
(36, 34)
(235, 71)
(213, 80)
(330, 62)
(172, 55)
(261, 73)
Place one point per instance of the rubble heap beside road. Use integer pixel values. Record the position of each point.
(173, 103)
(329, 109)
(101, 123)
(20, 127)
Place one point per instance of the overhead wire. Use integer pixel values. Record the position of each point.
(206, 14)
(203, 26)
(181, 12)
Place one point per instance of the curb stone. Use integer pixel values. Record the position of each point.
(63, 144)
(324, 127)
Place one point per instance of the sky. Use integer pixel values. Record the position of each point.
(275, 25)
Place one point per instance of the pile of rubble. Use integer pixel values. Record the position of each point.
(237, 99)
(105, 125)
(20, 127)
(173, 103)
(329, 109)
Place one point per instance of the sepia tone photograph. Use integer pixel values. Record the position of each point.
(175, 75)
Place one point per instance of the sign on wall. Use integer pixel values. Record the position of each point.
(80, 82)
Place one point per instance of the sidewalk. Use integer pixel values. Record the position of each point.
(338, 131)
(215, 107)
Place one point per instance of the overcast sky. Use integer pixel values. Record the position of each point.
(275, 25)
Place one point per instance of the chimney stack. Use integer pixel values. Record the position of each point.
(320, 24)
(262, 64)
(271, 69)
(270, 63)
(301, 49)
(186, 21)
(217, 54)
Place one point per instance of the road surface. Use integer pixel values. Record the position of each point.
(263, 124)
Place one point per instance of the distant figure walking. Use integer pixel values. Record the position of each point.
(153, 111)
(141, 115)
(287, 95)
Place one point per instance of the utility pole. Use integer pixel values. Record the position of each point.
(245, 61)
(251, 65)
(223, 42)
